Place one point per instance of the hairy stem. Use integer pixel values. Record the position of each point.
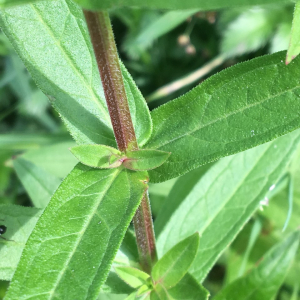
(108, 64)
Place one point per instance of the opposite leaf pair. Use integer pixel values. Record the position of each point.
(168, 276)
(105, 157)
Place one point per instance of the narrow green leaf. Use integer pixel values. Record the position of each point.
(97, 156)
(39, 184)
(142, 160)
(176, 262)
(224, 199)
(52, 39)
(19, 221)
(239, 108)
(188, 289)
(87, 216)
(132, 276)
(172, 4)
(294, 47)
(265, 280)
(132, 296)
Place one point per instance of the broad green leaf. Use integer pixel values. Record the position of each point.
(294, 47)
(224, 199)
(188, 289)
(55, 159)
(39, 184)
(78, 235)
(160, 293)
(52, 39)
(19, 221)
(132, 276)
(239, 108)
(176, 262)
(265, 280)
(173, 4)
(142, 160)
(97, 156)
(250, 31)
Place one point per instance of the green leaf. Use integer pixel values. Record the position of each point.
(132, 276)
(172, 4)
(19, 221)
(55, 159)
(224, 199)
(29, 141)
(265, 280)
(70, 251)
(188, 289)
(250, 31)
(97, 156)
(142, 160)
(160, 293)
(52, 39)
(176, 262)
(179, 192)
(294, 47)
(39, 184)
(239, 108)
(7, 3)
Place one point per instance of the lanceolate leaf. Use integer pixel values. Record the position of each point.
(70, 251)
(294, 47)
(132, 276)
(265, 280)
(224, 199)
(39, 184)
(52, 39)
(19, 222)
(239, 108)
(173, 4)
(176, 262)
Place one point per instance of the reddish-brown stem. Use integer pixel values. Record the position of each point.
(108, 63)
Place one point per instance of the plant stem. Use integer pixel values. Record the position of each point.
(108, 64)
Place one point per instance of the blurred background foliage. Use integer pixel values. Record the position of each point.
(175, 50)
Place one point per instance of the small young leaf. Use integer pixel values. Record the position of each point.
(132, 276)
(228, 194)
(142, 160)
(19, 221)
(237, 109)
(294, 47)
(176, 262)
(188, 289)
(265, 280)
(39, 184)
(97, 156)
(78, 235)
